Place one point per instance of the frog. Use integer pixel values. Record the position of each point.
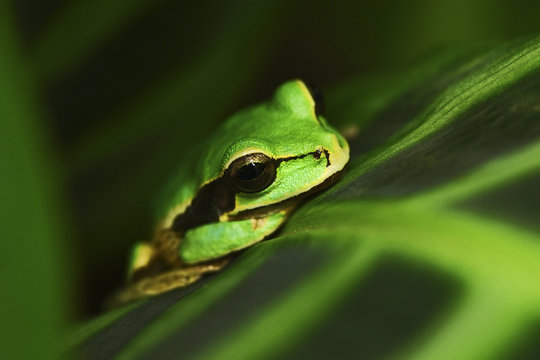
(258, 166)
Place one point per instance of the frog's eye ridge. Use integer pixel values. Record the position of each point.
(252, 173)
(317, 97)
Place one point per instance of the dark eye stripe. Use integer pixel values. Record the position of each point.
(316, 154)
(218, 196)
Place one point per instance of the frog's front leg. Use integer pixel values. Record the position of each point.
(158, 256)
(144, 261)
(155, 268)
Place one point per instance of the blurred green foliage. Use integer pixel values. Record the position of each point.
(36, 286)
(100, 99)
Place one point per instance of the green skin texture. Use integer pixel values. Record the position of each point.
(284, 127)
(205, 242)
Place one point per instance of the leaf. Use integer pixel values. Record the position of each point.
(35, 285)
(77, 30)
(425, 249)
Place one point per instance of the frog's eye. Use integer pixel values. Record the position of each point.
(252, 173)
(317, 97)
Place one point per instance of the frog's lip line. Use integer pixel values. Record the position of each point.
(316, 154)
(306, 189)
(224, 206)
(232, 210)
(288, 204)
(279, 160)
(255, 150)
(340, 160)
(174, 213)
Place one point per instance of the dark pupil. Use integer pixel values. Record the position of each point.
(250, 171)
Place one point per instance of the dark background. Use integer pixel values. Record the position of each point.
(128, 87)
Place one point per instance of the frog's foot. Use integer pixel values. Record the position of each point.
(149, 259)
(169, 280)
(143, 255)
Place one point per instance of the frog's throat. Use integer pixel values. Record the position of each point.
(217, 198)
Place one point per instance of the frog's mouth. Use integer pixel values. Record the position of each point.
(289, 204)
(216, 199)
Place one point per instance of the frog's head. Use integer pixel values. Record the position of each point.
(261, 156)
(253, 170)
(277, 150)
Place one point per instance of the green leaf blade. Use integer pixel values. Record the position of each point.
(36, 289)
(395, 237)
